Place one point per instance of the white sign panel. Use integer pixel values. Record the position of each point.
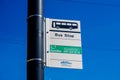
(63, 44)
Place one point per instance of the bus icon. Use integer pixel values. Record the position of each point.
(65, 25)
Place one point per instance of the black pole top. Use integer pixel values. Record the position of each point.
(35, 7)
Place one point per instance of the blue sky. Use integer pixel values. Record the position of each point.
(100, 24)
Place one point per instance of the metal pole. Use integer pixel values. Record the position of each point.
(35, 46)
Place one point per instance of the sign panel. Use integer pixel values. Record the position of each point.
(63, 44)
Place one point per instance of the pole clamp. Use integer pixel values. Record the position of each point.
(34, 15)
(34, 59)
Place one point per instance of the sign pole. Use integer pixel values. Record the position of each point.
(35, 44)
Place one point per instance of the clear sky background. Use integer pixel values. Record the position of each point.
(100, 26)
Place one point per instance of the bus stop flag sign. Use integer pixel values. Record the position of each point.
(63, 44)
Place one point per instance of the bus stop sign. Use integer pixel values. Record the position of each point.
(63, 44)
